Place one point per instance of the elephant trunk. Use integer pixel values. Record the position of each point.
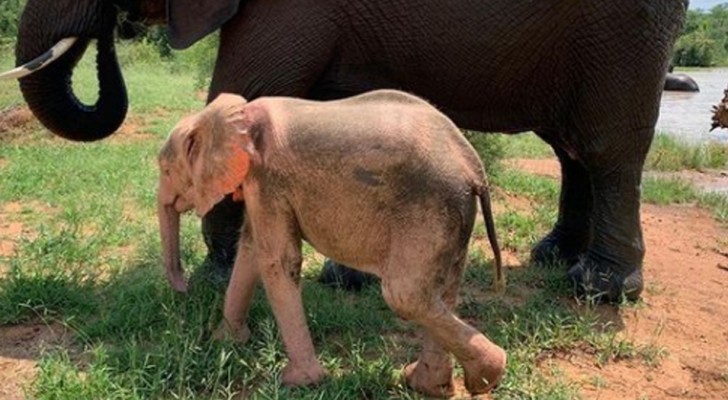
(169, 232)
(48, 91)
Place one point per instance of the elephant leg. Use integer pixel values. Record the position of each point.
(572, 233)
(285, 298)
(339, 275)
(281, 278)
(432, 372)
(221, 232)
(612, 266)
(426, 302)
(483, 361)
(239, 294)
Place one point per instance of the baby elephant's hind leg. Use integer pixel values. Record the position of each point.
(431, 306)
(431, 374)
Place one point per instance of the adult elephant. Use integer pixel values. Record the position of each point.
(558, 68)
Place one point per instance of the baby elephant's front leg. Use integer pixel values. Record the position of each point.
(281, 278)
(239, 293)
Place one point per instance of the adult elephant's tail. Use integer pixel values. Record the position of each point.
(483, 193)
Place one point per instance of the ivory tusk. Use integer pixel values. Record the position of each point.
(48, 57)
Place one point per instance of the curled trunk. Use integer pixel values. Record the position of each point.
(49, 92)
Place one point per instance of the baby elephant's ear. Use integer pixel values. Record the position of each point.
(225, 158)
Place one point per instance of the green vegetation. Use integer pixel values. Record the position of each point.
(677, 191)
(704, 39)
(9, 16)
(670, 154)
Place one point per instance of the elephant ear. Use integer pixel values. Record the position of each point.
(220, 152)
(191, 20)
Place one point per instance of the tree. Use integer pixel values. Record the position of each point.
(9, 17)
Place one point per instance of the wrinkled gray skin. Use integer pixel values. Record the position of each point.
(558, 68)
(401, 184)
(681, 83)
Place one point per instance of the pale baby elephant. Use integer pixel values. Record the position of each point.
(400, 183)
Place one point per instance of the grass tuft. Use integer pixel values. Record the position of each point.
(670, 154)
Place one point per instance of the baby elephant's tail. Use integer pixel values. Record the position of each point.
(483, 193)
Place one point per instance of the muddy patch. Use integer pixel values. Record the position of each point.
(548, 167)
(134, 129)
(13, 227)
(15, 118)
(18, 125)
(11, 230)
(21, 346)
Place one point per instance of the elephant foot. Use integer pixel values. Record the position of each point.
(226, 332)
(341, 276)
(483, 372)
(602, 282)
(430, 380)
(214, 272)
(302, 375)
(178, 282)
(221, 232)
(558, 249)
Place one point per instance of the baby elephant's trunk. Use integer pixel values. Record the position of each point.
(483, 193)
(169, 231)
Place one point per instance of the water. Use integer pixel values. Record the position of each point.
(688, 115)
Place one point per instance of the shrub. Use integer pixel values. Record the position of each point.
(695, 49)
(489, 147)
(199, 59)
(704, 40)
(9, 17)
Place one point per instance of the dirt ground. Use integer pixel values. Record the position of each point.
(20, 348)
(684, 315)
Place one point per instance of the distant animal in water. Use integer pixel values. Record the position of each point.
(680, 83)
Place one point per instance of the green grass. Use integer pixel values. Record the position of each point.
(664, 191)
(90, 260)
(493, 147)
(670, 154)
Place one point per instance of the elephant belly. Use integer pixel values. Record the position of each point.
(351, 237)
(363, 227)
